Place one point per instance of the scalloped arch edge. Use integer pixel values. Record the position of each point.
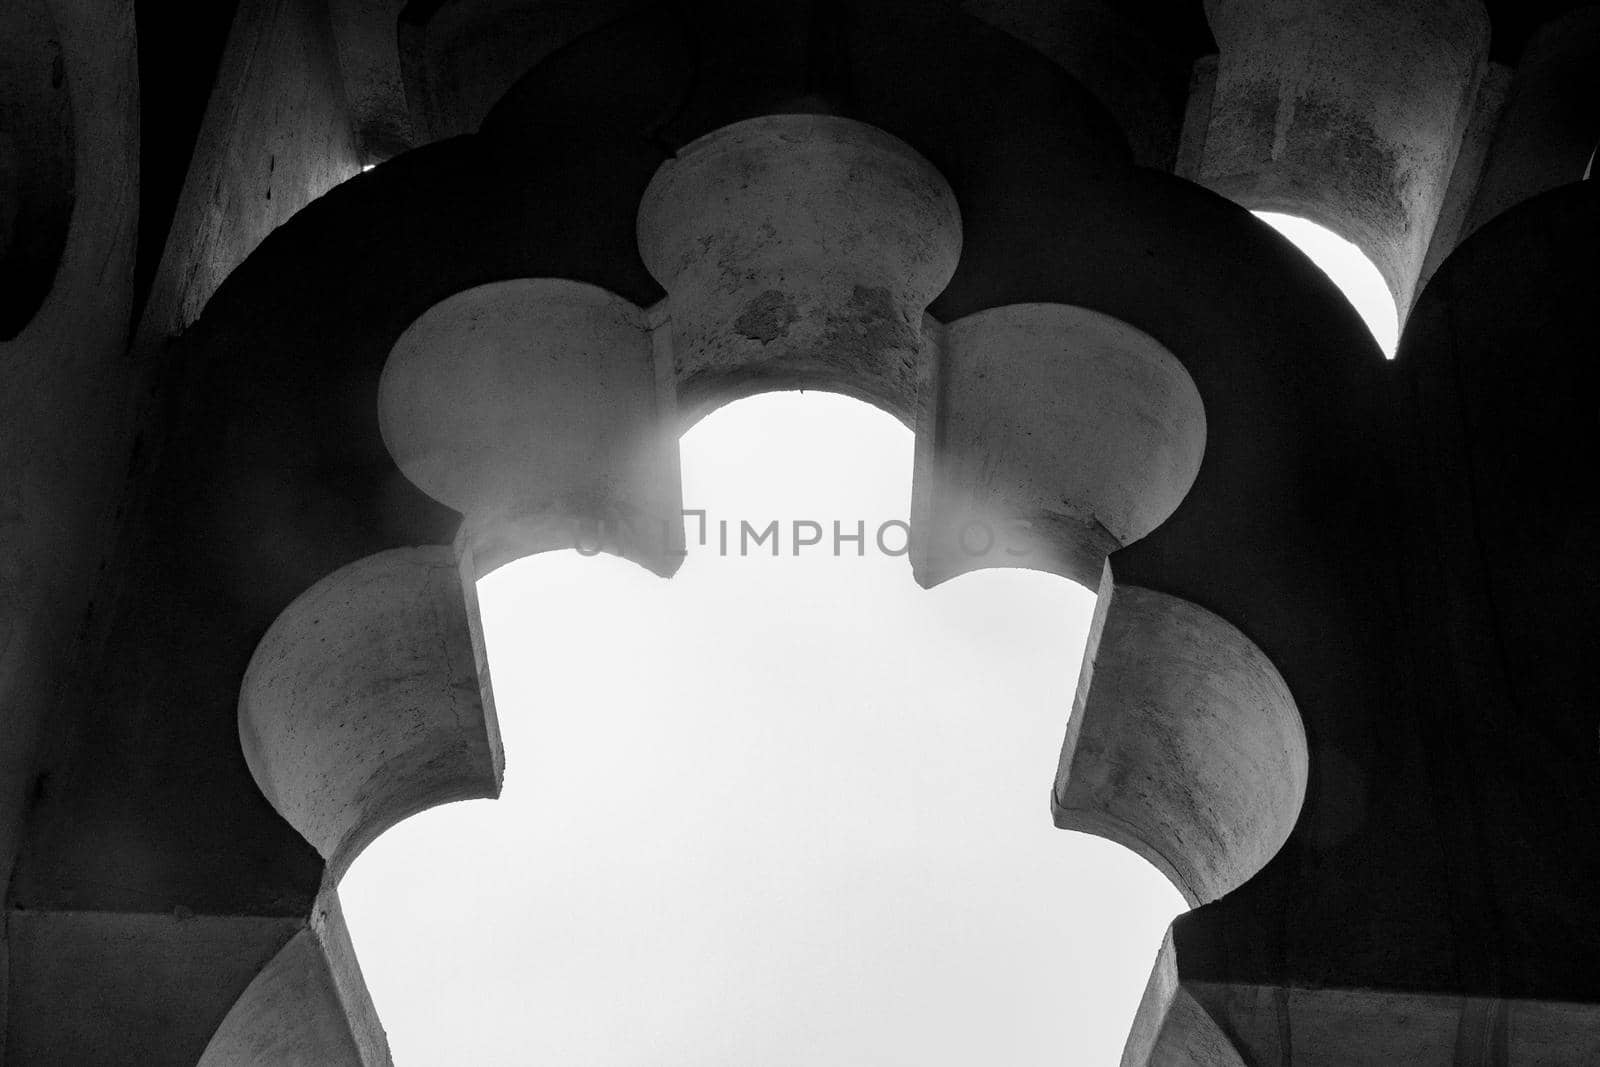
(1184, 745)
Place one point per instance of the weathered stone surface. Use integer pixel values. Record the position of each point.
(1349, 114)
(799, 251)
(1406, 548)
(369, 700)
(568, 373)
(1053, 435)
(308, 1007)
(1184, 743)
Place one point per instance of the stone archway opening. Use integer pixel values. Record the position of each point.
(546, 412)
(787, 807)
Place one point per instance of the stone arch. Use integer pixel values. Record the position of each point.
(799, 251)
(491, 378)
(1184, 744)
(1072, 429)
(545, 358)
(1349, 115)
(369, 700)
(1104, 449)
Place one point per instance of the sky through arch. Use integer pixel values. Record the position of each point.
(1356, 276)
(781, 810)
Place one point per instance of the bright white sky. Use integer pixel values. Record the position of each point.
(1350, 270)
(785, 812)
